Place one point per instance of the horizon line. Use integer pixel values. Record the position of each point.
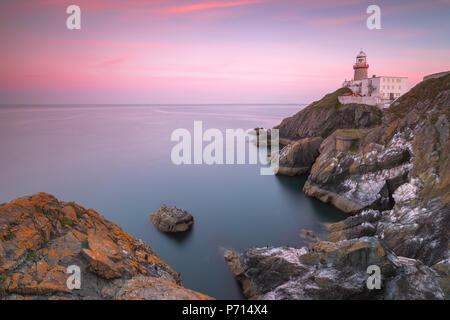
(145, 104)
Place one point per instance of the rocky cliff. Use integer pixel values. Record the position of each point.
(401, 169)
(40, 237)
(393, 177)
(321, 118)
(303, 133)
(328, 270)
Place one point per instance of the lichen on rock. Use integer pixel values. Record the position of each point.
(38, 244)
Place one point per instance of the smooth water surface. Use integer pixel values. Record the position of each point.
(116, 159)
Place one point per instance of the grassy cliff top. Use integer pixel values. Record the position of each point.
(331, 100)
(422, 92)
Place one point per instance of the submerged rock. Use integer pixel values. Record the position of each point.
(330, 270)
(40, 237)
(172, 219)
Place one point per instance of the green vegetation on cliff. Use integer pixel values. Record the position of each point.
(331, 100)
(422, 92)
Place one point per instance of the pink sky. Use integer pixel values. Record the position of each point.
(213, 51)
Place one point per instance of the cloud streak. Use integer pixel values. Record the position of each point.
(206, 6)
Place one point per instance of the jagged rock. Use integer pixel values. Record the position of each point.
(41, 236)
(105, 258)
(168, 219)
(298, 157)
(419, 231)
(2, 251)
(354, 227)
(150, 288)
(354, 181)
(331, 271)
(308, 235)
(443, 269)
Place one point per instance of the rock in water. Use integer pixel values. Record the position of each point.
(40, 237)
(172, 219)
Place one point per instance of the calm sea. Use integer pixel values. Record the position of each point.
(116, 159)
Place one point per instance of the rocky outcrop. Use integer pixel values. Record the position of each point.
(443, 269)
(298, 157)
(390, 171)
(400, 169)
(168, 219)
(323, 117)
(150, 288)
(41, 237)
(302, 133)
(353, 181)
(328, 270)
(396, 179)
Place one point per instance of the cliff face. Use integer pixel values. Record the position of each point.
(41, 236)
(400, 168)
(393, 178)
(303, 133)
(323, 117)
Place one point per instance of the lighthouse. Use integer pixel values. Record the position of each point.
(375, 91)
(361, 67)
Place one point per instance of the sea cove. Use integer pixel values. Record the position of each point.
(116, 159)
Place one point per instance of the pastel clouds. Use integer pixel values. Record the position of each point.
(206, 6)
(211, 51)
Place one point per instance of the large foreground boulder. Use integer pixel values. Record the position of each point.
(172, 219)
(40, 237)
(150, 288)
